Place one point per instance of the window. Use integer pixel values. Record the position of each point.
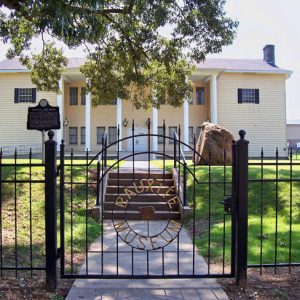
(73, 96)
(83, 96)
(248, 96)
(100, 132)
(198, 133)
(112, 134)
(191, 135)
(25, 95)
(114, 102)
(200, 95)
(171, 133)
(160, 131)
(73, 136)
(82, 135)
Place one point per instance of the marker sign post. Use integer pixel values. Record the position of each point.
(43, 117)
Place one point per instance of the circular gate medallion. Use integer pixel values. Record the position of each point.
(139, 207)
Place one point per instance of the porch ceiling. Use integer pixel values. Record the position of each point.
(73, 75)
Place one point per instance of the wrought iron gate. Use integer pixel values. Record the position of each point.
(175, 220)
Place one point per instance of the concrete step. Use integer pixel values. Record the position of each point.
(140, 175)
(135, 215)
(154, 189)
(126, 182)
(158, 206)
(140, 198)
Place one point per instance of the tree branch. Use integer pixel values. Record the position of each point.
(11, 4)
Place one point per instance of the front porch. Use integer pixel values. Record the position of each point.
(84, 125)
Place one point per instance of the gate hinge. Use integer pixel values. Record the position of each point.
(227, 202)
(58, 252)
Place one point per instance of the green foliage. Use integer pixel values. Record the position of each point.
(129, 54)
(39, 65)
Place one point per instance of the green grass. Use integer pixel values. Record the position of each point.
(16, 216)
(216, 193)
(202, 206)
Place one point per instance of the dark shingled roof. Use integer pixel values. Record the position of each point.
(15, 64)
(239, 65)
(233, 65)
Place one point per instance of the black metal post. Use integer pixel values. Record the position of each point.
(62, 206)
(241, 207)
(184, 183)
(175, 150)
(50, 212)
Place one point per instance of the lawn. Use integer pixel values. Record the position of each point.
(23, 222)
(261, 199)
(210, 233)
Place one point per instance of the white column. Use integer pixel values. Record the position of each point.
(154, 129)
(186, 123)
(59, 101)
(88, 121)
(213, 100)
(119, 119)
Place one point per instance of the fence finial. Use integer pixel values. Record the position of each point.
(242, 134)
(51, 135)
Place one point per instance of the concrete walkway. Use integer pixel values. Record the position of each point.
(138, 262)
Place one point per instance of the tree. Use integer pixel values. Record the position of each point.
(129, 53)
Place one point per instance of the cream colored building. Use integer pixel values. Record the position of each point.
(237, 94)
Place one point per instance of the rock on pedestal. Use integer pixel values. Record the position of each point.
(215, 139)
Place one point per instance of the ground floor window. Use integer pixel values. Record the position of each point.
(198, 133)
(160, 131)
(191, 134)
(172, 129)
(112, 134)
(100, 133)
(73, 135)
(82, 135)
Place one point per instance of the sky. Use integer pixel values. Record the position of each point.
(261, 22)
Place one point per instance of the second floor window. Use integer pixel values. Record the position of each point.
(73, 96)
(25, 95)
(200, 96)
(83, 96)
(248, 96)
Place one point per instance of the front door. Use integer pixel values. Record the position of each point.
(140, 139)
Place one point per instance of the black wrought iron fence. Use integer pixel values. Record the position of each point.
(22, 215)
(274, 219)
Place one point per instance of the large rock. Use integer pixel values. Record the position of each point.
(216, 140)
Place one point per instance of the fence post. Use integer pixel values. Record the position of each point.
(241, 209)
(51, 212)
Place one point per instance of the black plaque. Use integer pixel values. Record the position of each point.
(43, 118)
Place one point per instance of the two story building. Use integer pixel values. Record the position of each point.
(235, 93)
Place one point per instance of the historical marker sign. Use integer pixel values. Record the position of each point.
(43, 117)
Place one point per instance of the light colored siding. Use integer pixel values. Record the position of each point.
(263, 122)
(13, 116)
